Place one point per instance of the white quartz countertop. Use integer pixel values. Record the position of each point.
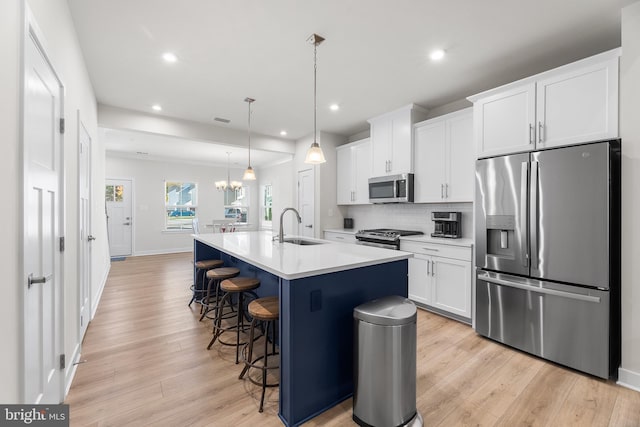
(439, 240)
(291, 261)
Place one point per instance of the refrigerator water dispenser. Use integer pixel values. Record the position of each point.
(501, 235)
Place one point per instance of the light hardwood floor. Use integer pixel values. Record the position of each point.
(147, 364)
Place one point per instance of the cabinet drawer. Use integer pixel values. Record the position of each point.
(340, 237)
(447, 251)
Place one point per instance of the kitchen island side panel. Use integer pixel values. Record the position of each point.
(316, 324)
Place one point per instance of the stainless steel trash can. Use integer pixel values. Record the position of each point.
(385, 363)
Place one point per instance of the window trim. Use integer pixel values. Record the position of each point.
(184, 227)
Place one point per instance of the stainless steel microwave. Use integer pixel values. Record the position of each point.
(391, 189)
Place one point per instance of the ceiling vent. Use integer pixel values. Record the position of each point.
(221, 120)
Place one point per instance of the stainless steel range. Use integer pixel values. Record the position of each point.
(387, 238)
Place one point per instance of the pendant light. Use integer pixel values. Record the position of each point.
(314, 154)
(228, 184)
(249, 174)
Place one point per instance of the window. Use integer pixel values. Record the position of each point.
(236, 205)
(113, 193)
(180, 203)
(266, 207)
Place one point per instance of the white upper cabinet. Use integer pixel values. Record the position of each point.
(504, 121)
(353, 172)
(578, 106)
(568, 105)
(392, 140)
(444, 158)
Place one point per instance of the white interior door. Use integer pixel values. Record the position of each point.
(43, 180)
(84, 222)
(119, 219)
(305, 202)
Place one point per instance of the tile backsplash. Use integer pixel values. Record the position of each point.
(408, 216)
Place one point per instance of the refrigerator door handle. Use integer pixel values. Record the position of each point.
(524, 174)
(533, 216)
(487, 278)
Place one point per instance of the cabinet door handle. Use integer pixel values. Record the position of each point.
(540, 130)
(339, 238)
(442, 191)
(433, 268)
(531, 136)
(431, 249)
(428, 269)
(446, 191)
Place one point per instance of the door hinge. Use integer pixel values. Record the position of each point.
(63, 361)
(61, 125)
(62, 244)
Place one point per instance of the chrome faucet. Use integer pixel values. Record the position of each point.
(281, 235)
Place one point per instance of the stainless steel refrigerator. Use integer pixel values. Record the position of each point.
(547, 226)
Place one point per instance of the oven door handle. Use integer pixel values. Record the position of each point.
(377, 245)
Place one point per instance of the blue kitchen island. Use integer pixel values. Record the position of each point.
(318, 285)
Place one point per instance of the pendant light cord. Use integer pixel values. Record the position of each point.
(315, 84)
(249, 132)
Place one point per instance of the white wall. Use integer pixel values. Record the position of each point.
(55, 22)
(283, 187)
(148, 192)
(327, 214)
(10, 174)
(629, 372)
(54, 19)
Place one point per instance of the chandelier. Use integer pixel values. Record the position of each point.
(228, 184)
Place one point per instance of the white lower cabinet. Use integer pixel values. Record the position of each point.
(440, 277)
(420, 279)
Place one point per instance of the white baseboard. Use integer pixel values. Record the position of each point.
(70, 371)
(163, 251)
(103, 283)
(629, 379)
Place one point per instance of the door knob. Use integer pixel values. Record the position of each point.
(33, 280)
(90, 238)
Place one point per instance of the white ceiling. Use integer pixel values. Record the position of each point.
(141, 145)
(374, 59)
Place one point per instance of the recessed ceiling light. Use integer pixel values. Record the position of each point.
(169, 57)
(436, 55)
(156, 107)
(334, 107)
(283, 133)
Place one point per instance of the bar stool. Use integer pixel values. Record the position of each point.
(202, 267)
(236, 286)
(264, 310)
(215, 276)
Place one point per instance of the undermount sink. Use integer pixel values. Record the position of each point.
(303, 242)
